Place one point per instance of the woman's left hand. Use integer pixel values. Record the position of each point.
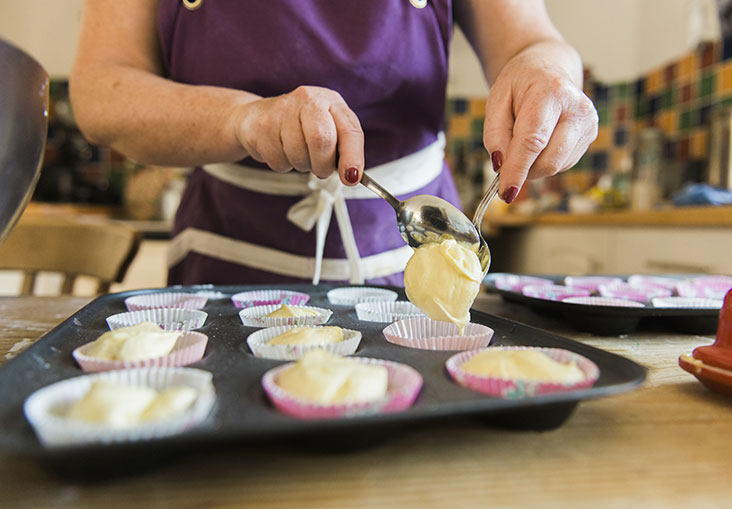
(538, 122)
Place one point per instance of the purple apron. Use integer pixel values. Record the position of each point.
(386, 58)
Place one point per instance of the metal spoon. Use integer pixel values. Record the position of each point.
(426, 218)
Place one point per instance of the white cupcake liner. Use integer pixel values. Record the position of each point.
(590, 282)
(45, 408)
(640, 280)
(403, 386)
(687, 302)
(257, 342)
(168, 318)
(189, 348)
(256, 316)
(706, 288)
(518, 388)
(382, 311)
(426, 334)
(604, 301)
(625, 291)
(269, 297)
(352, 295)
(555, 292)
(516, 283)
(165, 300)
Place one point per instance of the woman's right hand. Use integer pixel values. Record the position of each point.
(308, 129)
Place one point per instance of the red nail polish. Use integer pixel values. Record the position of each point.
(510, 194)
(497, 160)
(352, 175)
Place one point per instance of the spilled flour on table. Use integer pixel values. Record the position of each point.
(18, 347)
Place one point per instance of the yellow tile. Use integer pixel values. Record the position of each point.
(602, 141)
(688, 65)
(477, 108)
(724, 80)
(668, 121)
(699, 145)
(654, 82)
(459, 126)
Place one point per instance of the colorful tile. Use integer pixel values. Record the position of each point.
(686, 92)
(477, 107)
(699, 142)
(724, 80)
(460, 126)
(669, 73)
(706, 84)
(602, 141)
(668, 121)
(655, 81)
(708, 53)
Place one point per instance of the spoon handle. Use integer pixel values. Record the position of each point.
(380, 191)
(490, 193)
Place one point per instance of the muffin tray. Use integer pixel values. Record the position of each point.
(614, 320)
(243, 415)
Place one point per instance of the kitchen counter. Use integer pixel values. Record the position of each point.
(666, 444)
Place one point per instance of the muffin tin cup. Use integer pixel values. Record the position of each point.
(258, 344)
(189, 348)
(426, 334)
(509, 388)
(404, 385)
(387, 311)
(269, 298)
(45, 407)
(165, 300)
(352, 295)
(168, 318)
(256, 316)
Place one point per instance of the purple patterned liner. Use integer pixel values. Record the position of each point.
(604, 301)
(404, 384)
(426, 334)
(165, 300)
(555, 292)
(509, 388)
(167, 318)
(269, 297)
(189, 348)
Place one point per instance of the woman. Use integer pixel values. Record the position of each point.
(325, 88)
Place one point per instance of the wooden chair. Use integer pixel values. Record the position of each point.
(93, 247)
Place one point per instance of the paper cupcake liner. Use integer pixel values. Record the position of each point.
(556, 292)
(387, 311)
(269, 298)
(352, 295)
(256, 316)
(45, 407)
(640, 294)
(590, 282)
(516, 283)
(168, 318)
(604, 301)
(713, 280)
(257, 342)
(165, 300)
(704, 288)
(521, 388)
(404, 384)
(427, 334)
(687, 302)
(189, 348)
(643, 281)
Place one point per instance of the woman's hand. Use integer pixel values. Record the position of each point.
(308, 129)
(538, 122)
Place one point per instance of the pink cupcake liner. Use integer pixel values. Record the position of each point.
(168, 318)
(383, 311)
(604, 301)
(713, 280)
(704, 288)
(165, 300)
(643, 281)
(404, 384)
(256, 316)
(625, 291)
(269, 298)
(258, 344)
(516, 283)
(189, 348)
(352, 295)
(590, 282)
(426, 334)
(555, 292)
(44, 408)
(687, 303)
(521, 388)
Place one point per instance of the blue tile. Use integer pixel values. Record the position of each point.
(460, 106)
(599, 161)
(705, 114)
(640, 86)
(600, 92)
(654, 104)
(620, 138)
(727, 48)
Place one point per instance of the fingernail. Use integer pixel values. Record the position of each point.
(352, 174)
(510, 194)
(497, 160)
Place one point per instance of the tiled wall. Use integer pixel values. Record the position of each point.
(679, 98)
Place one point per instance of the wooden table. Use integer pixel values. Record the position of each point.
(667, 444)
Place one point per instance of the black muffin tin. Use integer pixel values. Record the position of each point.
(243, 415)
(614, 320)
